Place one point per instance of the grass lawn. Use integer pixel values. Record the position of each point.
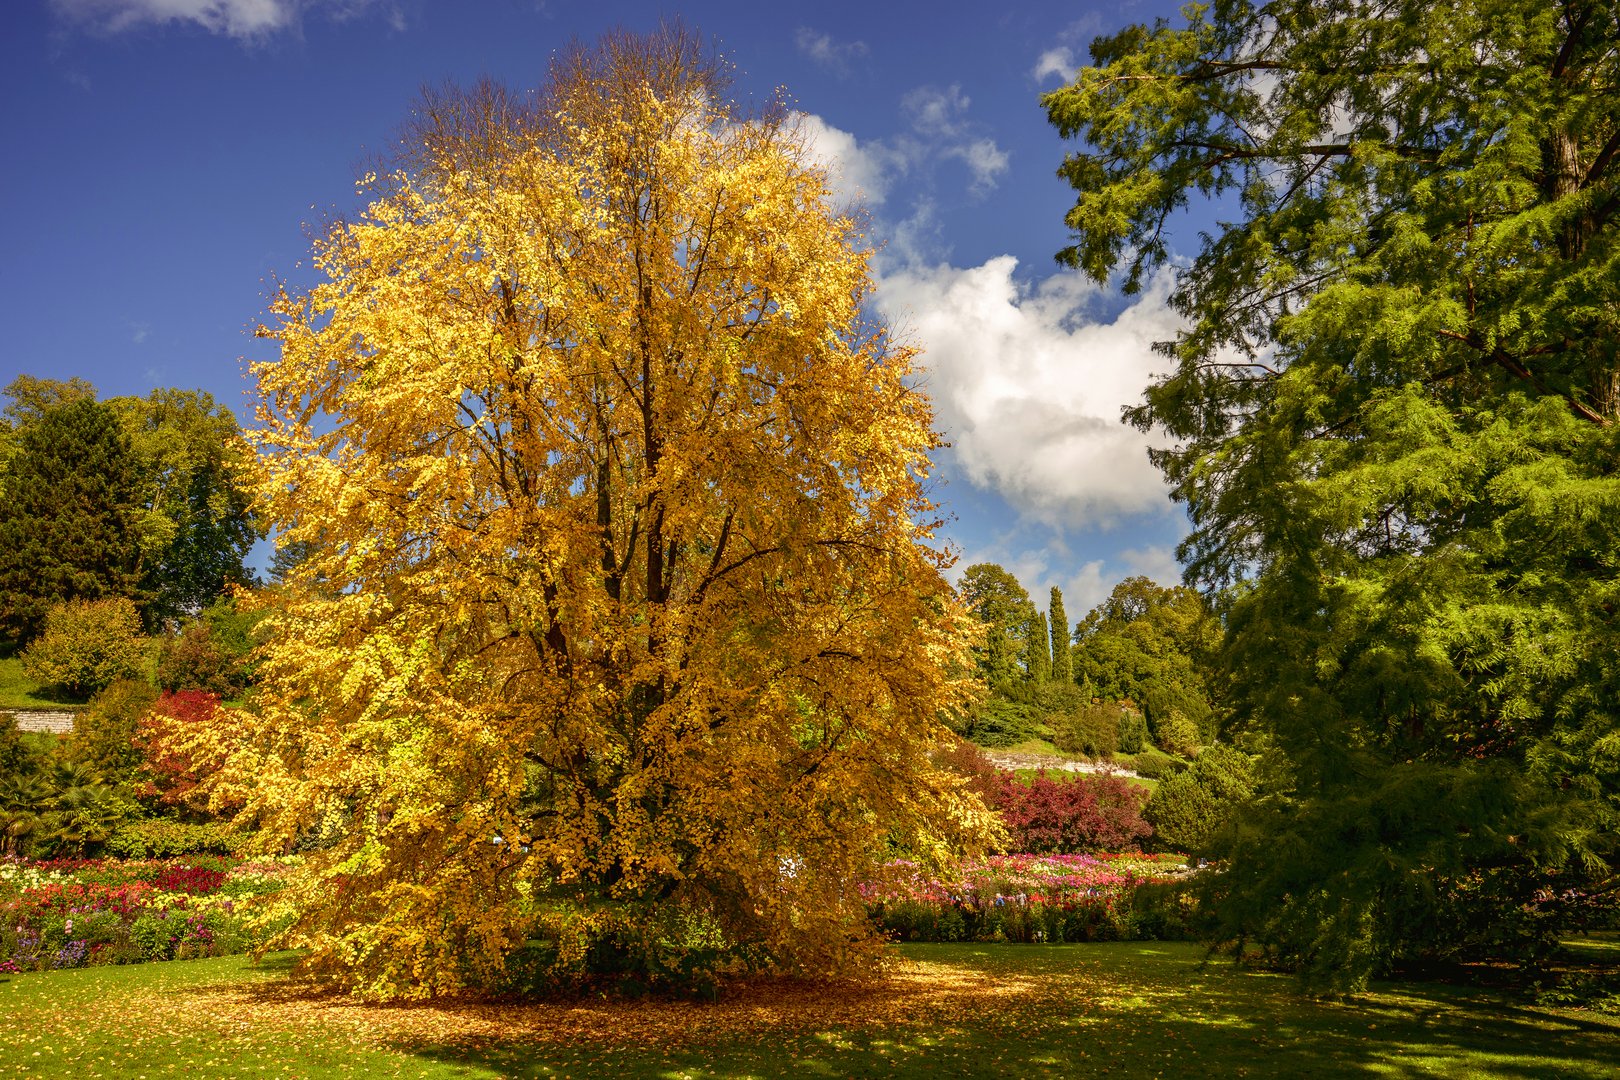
(1027, 776)
(18, 691)
(1120, 1010)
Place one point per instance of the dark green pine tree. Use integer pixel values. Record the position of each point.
(67, 519)
(1062, 661)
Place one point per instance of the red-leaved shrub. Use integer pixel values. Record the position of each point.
(182, 739)
(1072, 814)
(971, 763)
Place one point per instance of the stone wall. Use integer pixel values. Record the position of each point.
(56, 721)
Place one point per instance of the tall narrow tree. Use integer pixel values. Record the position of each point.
(1062, 660)
(1037, 646)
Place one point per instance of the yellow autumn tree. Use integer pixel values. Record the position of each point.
(622, 645)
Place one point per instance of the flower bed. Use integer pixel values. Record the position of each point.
(74, 913)
(1036, 898)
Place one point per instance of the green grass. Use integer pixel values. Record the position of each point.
(18, 691)
(1026, 776)
(1121, 1010)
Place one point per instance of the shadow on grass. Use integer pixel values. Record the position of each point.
(1124, 1010)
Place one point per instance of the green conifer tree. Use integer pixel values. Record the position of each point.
(1062, 661)
(71, 493)
(1037, 647)
(1394, 416)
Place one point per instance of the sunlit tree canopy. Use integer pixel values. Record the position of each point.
(620, 638)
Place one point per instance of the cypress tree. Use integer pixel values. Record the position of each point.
(1062, 662)
(1037, 649)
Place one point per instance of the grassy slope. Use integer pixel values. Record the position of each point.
(1121, 1010)
(18, 691)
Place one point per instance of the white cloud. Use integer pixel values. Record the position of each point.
(1058, 61)
(833, 55)
(865, 170)
(1039, 568)
(933, 111)
(1157, 563)
(984, 159)
(242, 19)
(859, 172)
(1029, 390)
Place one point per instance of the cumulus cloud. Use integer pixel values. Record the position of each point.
(1027, 381)
(243, 19)
(865, 170)
(834, 55)
(1157, 563)
(1038, 567)
(984, 159)
(860, 172)
(1058, 61)
(1029, 388)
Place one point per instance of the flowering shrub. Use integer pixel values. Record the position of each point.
(1029, 898)
(74, 913)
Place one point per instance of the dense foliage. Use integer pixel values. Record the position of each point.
(1394, 411)
(1072, 813)
(69, 503)
(197, 522)
(143, 498)
(86, 645)
(1193, 810)
(1153, 646)
(103, 736)
(624, 636)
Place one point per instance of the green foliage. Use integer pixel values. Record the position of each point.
(1152, 646)
(164, 838)
(1062, 632)
(1133, 731)
(1178, 735)
(86, 645)
(213, 652)
(1189, 811)
(1092, 730)
(104, 732)
(999, 602)
(1037, 647)
(15, 756)
(999, 723)
(79, 812)
(1393, 419)
(69, 502)
(197, 522)
(1154, 764)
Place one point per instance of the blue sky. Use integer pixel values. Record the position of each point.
(163, 158)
